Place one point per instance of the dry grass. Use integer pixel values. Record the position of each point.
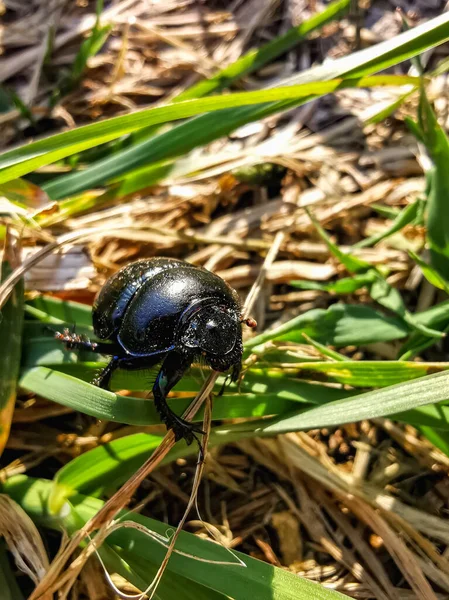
(363, 508)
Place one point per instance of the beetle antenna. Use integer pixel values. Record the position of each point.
(249, 322)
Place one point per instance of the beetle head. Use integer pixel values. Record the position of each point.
(212, 331)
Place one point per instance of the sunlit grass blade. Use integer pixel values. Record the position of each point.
(378, 403)
(11, 321)
(430, 273)
(260, 395)
(205, 129)
(364, 373)
(342, 286)
(256, 59)
(433, 136)
(25, 159)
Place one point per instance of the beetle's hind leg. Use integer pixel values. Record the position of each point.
(173, 368)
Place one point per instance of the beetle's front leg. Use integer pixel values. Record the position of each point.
(173, 368)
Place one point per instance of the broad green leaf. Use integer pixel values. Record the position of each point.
(259, 580)
(339, 325)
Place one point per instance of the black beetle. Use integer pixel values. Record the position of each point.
(163, 310)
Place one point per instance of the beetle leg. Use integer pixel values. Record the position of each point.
(74, 341)
(104, 377)
(130, 363)
(225, 383)
(172, 370)
(236, 370)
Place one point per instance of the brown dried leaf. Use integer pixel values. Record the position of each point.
(23, 540)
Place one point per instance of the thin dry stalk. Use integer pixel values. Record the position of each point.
(52, 581)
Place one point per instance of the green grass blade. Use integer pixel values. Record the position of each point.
(345, 285)
(10, 588)
(25, 159)
(259, 580)
(260, 395)
(405, 217)
(364, 373)
(378, 403)
(255, 59)
(11, 322)
(436, 141)
(205, 129)
(440, 439)
(431, 274)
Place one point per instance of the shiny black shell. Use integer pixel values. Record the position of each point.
(144, 305)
